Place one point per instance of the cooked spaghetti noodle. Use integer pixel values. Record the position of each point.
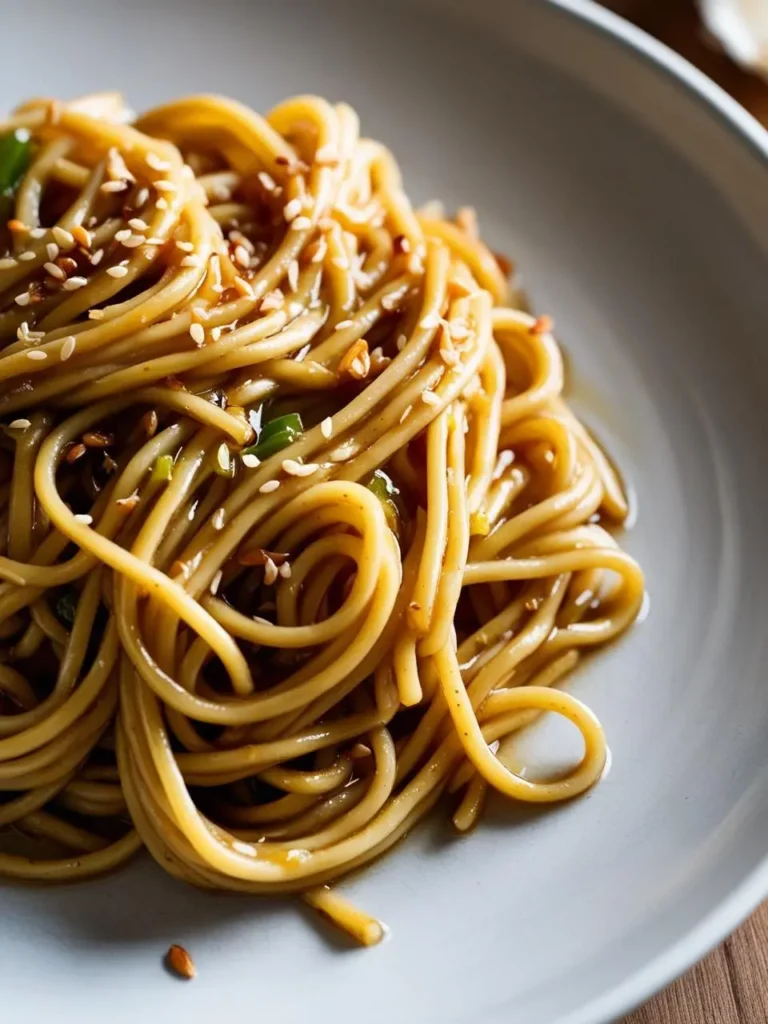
(296, 524)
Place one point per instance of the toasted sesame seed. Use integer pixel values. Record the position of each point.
(38, 232)
(67, 348)
(23, 299)
(37, 355)
(185, 246)
(83, 518)
(64, 238)
(267, 181)
(96, 314)
(215, 582)
(405, 413)
(156, 163)
(326, 427)
(138, 224)
(55, 271)
(164, 186)
(97, 257)
(52, 250)
(217, 519)
(293, 275)
(81, 236)
(7, 263)
(28, 255)
(162, 204)
(193, 260)
(20, 424)
(292, 209)
(251, 461)
(243, 287)
(268, 486)
(117, 271)
(72, 283)
(285, 570)
(301, 223)
(15, 226)
(114, 186)
(197, 333)
(223, 456)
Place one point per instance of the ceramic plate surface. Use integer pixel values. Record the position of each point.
(634, 196)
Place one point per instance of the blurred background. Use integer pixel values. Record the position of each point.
(727, 39)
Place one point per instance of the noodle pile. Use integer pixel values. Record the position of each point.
(295, 525)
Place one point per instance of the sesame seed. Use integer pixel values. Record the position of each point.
(321, 248)
(217, 519)
(326, 427)
(285, 570)
(38, 232)
(86, 520)
(28, 255)
(20, 424)
(267, 181)
(294, 468)
(154, 161)
(402, 341)
(292, 209)
(243, 287)
(81, 236)
(16, 226)
(185, 246)
(430, 398)
(114, 186)
(96, 314)
(215, 333)
(341, 262)
(187, 171)
(141, 197)
(405, 413)
(223, 456)
(55, 271)
(120, 236)
(134, 241)
(301, 223)
(37, 355)
(251, 461)
(64, 238)
(390, 302)
(242, 256)
(162, 204)
(293, 275)
(23, 299)
(7, 263)
(117, 271)
(215, 582)
(24, 334)
(268, 486)
(197, 334)
(67, 348)
(138, 224)
(155, 241)
(97, 257)
(342, 324)
(191, 261)
(270, 571)
(72, 283)
(52, 250)
(429, 321)
(164, 186)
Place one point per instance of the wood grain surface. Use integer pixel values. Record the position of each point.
(731, 985)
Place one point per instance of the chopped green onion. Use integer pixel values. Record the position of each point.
(276, 435)
(15, 150)
(65, 606)
(162, 471)
(385, 490)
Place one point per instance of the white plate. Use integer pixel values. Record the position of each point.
(635, 197)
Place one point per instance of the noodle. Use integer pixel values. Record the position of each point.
(296, 524)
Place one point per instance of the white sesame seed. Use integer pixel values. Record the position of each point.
(138, 224)
(244, 287)
(37, 232)
(52, 250)
(294, 468)
(96, 314)
(67, 348)
(97, 257)
(28, 255)
(164, 186)
(114, 186)
(187, 171)
(390, 302)
(7, 263)
(215, 582)
(321, 248)
(23, 299)
(241, 256)
(54, 271)
(215, 333)
(64, 238)
(430, 398)
(326, 427)
(285, 570)
(142, 196)
(134, 241)
(292, 209)
(295, 308)
(223, 456)
(20, 424)
(155, 162)
(37, 355)
(72, 283)
(342, 324)
(251, 461)
(162, 204)
(267, 181)
(270, 571)
(429, 321)
(155, 241)
(268, 486)
(217, 519)
(86, 520)
(120, 236)
(197, 333)
(185, 246)
(221, 192)
(192, 260)
(117, 271)
(301, 223)
(293, 275)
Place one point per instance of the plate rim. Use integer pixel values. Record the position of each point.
(729, 912)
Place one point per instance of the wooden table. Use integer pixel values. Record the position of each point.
(731, 985)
